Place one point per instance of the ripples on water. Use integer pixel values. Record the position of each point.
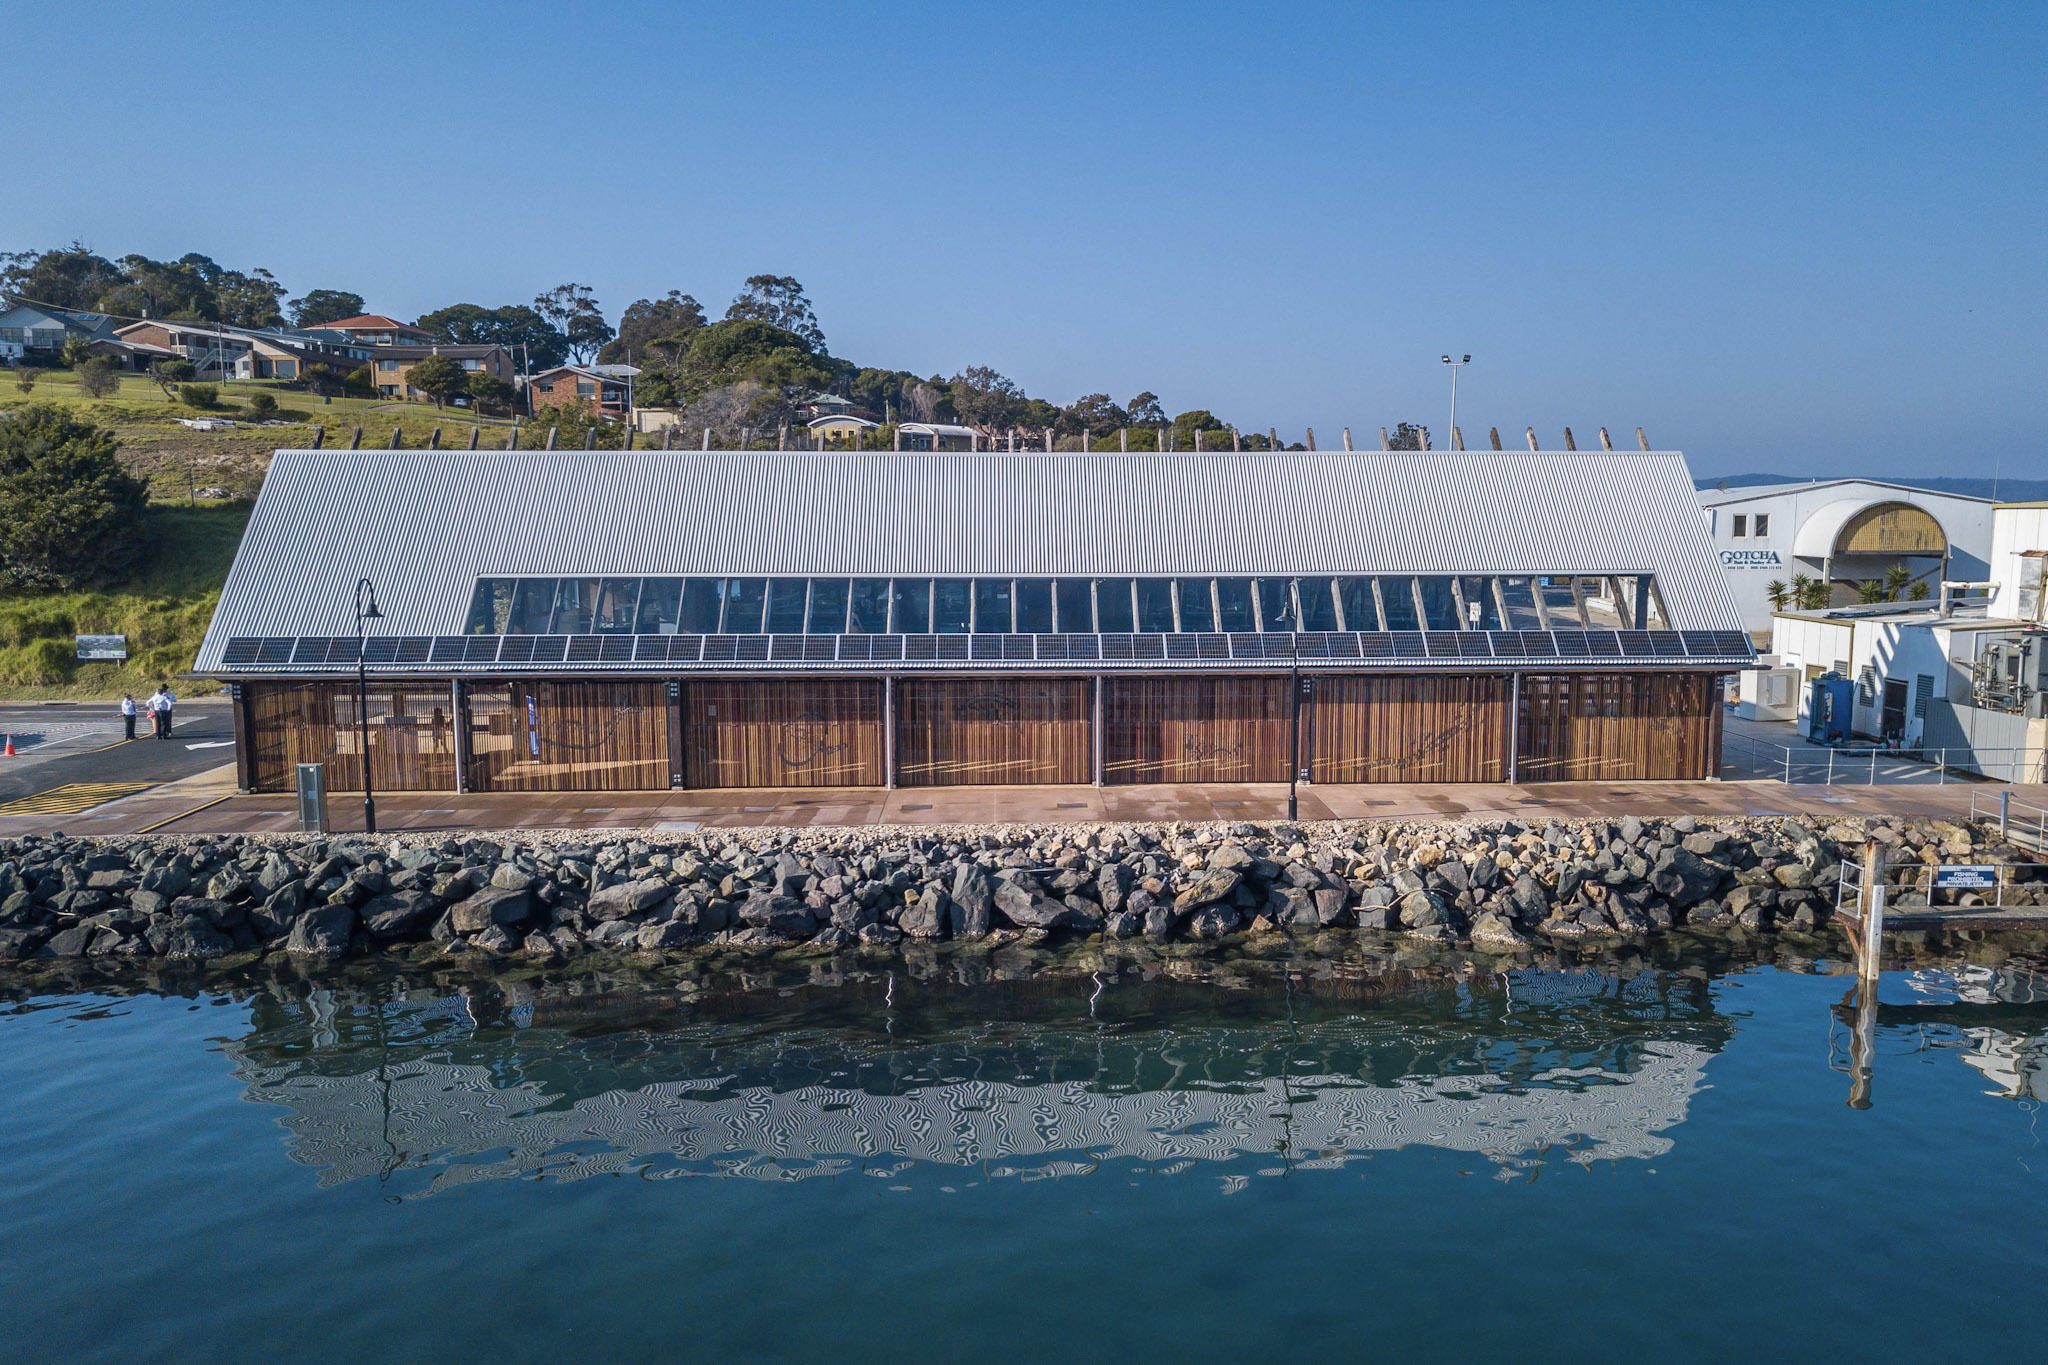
(1207, 1082)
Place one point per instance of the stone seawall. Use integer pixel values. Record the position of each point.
(1498, 885)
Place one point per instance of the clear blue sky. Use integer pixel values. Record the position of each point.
(1780, 236)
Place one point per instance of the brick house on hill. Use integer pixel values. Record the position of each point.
(609, 388)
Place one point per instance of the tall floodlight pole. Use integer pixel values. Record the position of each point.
(366, 610)
(1456, 365)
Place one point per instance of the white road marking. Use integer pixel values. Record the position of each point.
(213, 744)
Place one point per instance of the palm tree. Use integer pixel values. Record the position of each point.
(1870, 591)
(1778, 593)
(1895, 580)
(1816, 595)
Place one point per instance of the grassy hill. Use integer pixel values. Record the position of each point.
(163, 610)
(179, 461)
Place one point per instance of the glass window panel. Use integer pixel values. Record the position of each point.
(786, 605)
(698, 613)
(491, 608)
(1361, 609)
(1520, 596)
(1077, 606)
(870, 613)
(658, 602)
(1560, 604)
(1113, 606)
(575, 606)
(1397, 602)
(1273, 613)
(618, 602)
(1439, 606)
(532, 605)
(992, 606)
(1602, 603)
(744, 598)
(1478, 592)
(1155, 605)
(1652, 615)
(911, 607)
(1234, 605)
(828, 607)
(952, 605)
(1318, 604)
(1197, 613)
(1034, 606)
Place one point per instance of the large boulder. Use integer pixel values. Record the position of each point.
(1683, 877)
(1024, 905)
(492, 905)
(1112, 885)
(1217, 884)
(402, 914)
(925, 916)
(188, 938)
(323, 931)
(972, 902)
(628, 899)
(777, 914)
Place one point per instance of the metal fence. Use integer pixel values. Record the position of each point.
(1911, 887)
(2019, 822)
(1815, 765)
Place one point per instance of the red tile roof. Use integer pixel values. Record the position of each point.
(371, 322)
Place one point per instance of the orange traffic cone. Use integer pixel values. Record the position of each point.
(10, 749)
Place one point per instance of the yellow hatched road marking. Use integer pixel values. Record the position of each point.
(72, 798)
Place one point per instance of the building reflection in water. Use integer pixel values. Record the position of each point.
(1160, 1078)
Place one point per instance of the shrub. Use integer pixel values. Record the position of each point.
(168, 374)
(24, 378)
(99, 377)
(69, 513)
(199, 395)
(360, 382)
(262, 407)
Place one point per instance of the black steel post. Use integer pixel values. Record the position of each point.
(1293, 617)
(363, 698)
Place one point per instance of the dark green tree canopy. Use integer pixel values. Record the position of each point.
(319, 306)
(778, 300)
(651, 323)
(438, 377)
(512, 326)
(69, 514)
(1144, 410)
(65, 277)
(573, 312)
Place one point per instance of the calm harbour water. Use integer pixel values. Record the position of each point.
(1603, 1163)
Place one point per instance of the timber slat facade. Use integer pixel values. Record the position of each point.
(638, 621)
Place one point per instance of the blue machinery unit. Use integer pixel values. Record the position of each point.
(1831, 709)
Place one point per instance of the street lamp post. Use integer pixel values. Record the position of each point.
(1456, 365)
(1288, 614)
(366, 610)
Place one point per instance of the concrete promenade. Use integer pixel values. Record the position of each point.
(208, 803)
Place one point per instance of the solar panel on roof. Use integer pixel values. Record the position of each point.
(1665, 644)
(548, 649)
(855, 648)
(1442, 644)
(448, 648)
(617, 649)
(1181, 647)
(275, 650)
(651, 648)
(1312, 645)
(1571, 644)
(1507, 644)
(413, 649)
(583, 648)
(380, 649)
(1634, 643)
(1375, 644)
(241, 650)
(685, 649)
(1344, 645)
(1148, 646)
(1018, 647)
(751, 649)
(1116, 646)
(1408, 644)
(518, 649)
(819, 649)
(886, 647)
(986, 647)
(920, 647)
(1602, 644)
(482, 649)
(784, 648)
(1083, 647)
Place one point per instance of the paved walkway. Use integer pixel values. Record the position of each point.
(208, 803)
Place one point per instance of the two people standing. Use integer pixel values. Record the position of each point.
(160, 705)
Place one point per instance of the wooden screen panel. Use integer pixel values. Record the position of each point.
(1408, 728)
(583, 736)
(769, 732)
(412, 735)
(994, 731)
(1618, 726)
(1195, 729)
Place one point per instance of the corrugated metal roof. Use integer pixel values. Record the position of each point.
(425, 525)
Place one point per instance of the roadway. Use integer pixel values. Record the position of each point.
(79, 745)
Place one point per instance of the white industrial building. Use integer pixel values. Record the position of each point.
(1842, 532)
(1962, 672)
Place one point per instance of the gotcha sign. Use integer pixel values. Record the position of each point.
(1751, 559)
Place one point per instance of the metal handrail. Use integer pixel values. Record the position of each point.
(1987, 806)
(1826, 766)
